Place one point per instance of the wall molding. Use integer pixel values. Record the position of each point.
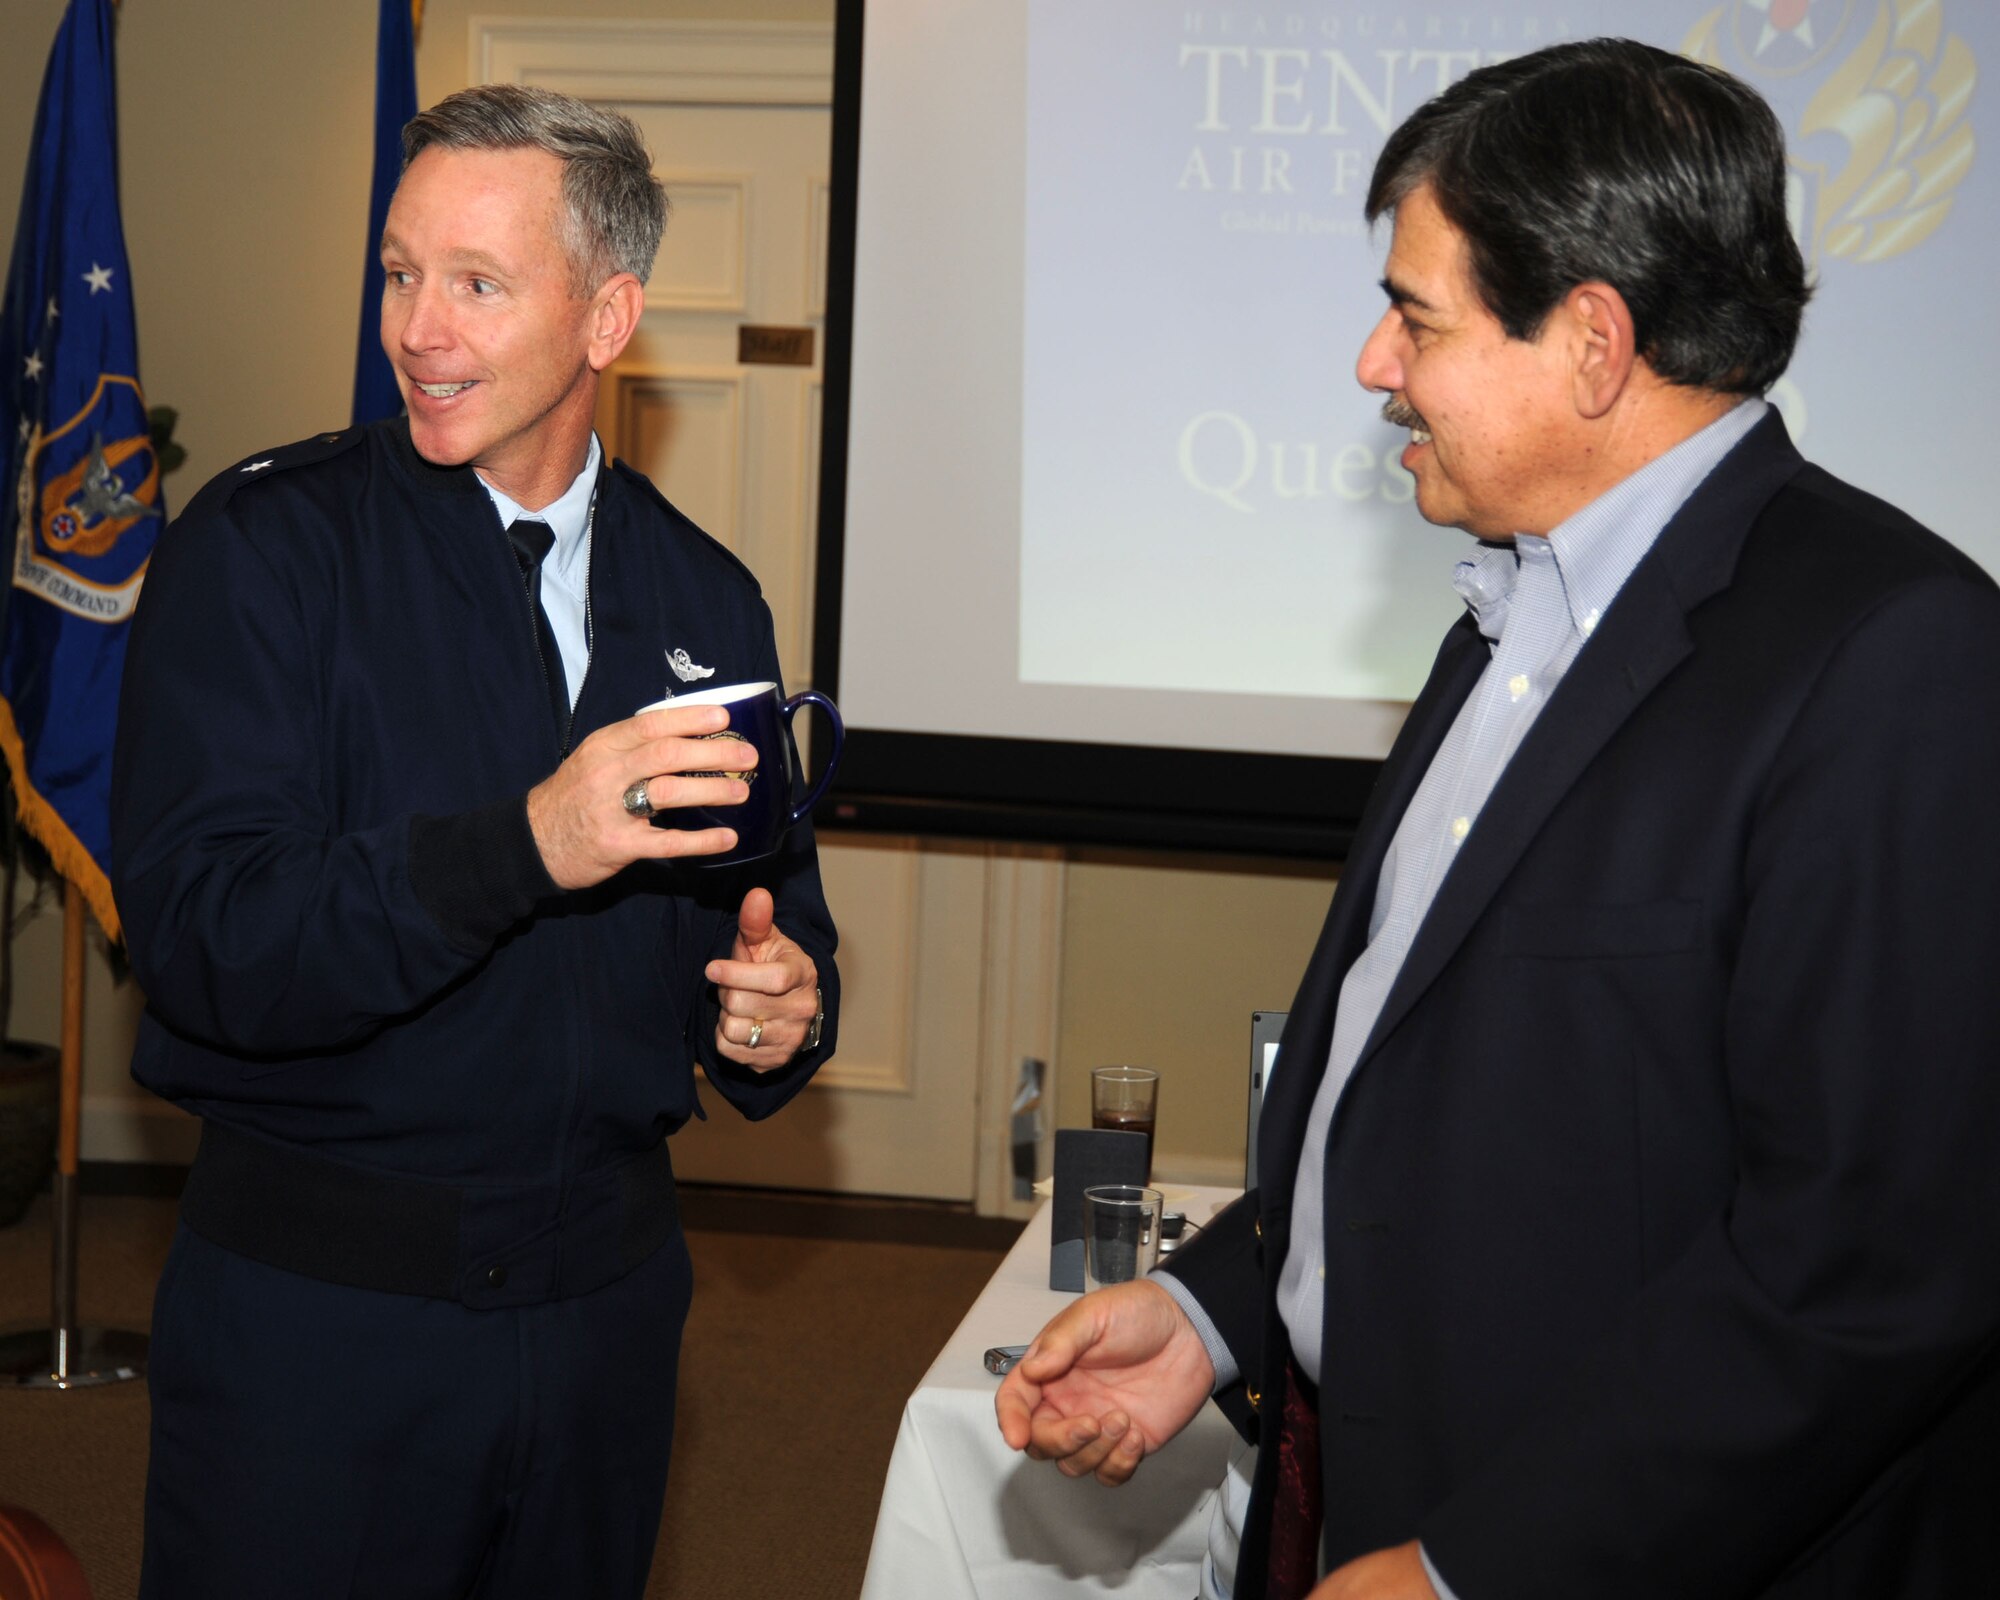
(694, 190)
(894, 1072)
(659, 61)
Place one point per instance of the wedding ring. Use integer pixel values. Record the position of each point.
(756, 1032)
(637, 801)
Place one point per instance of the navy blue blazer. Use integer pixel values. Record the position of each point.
(1662, 1210)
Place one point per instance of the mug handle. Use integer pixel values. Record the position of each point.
(814, 697)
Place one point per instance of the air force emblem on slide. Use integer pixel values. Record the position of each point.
(685, 668)
(1888, 80)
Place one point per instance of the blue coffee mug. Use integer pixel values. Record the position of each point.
(758, 717)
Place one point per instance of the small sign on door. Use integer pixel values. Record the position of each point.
(774, 347)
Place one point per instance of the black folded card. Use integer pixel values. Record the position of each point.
(1086, 1157)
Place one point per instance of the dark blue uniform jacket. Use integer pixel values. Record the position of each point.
(332, 714)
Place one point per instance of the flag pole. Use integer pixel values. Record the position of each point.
(69, 377)
(67, 1355)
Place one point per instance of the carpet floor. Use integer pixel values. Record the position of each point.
(799, 1354)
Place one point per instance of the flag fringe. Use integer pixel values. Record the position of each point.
(41, 819)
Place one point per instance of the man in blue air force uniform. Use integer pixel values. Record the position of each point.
(411, 945)
(1629, 1212)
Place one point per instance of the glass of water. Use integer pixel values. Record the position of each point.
(1121, 1233)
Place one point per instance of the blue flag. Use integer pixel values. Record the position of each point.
(81, 478)
(375, 392)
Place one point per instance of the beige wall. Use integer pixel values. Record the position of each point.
(1164, 959)
(244, 214)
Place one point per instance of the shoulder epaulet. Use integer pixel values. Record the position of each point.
(645, 485)
(270, 463)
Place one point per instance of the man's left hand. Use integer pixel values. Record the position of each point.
(1394, 1574)
(769, 988)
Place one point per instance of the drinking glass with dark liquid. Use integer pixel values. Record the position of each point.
(1125, 1100)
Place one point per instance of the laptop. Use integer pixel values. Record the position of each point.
(1266, 1028)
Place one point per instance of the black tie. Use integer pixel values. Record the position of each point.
(532, 540)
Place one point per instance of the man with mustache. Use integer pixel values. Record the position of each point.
(411, 945)
(1628, 1208)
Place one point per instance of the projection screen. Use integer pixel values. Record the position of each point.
(1113, 546)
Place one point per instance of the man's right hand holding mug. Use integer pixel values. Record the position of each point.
(578, 814)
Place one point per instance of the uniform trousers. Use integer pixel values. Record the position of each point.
(312, 1441)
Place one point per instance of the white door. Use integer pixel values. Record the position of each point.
(735, 445)
(948, 952)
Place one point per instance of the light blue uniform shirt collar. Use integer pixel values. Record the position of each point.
(565, 587)
(568, 517)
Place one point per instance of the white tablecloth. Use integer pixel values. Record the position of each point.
(965, 1518)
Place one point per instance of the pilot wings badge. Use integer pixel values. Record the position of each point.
(685, 668)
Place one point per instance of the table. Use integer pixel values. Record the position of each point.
(965, 1518)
